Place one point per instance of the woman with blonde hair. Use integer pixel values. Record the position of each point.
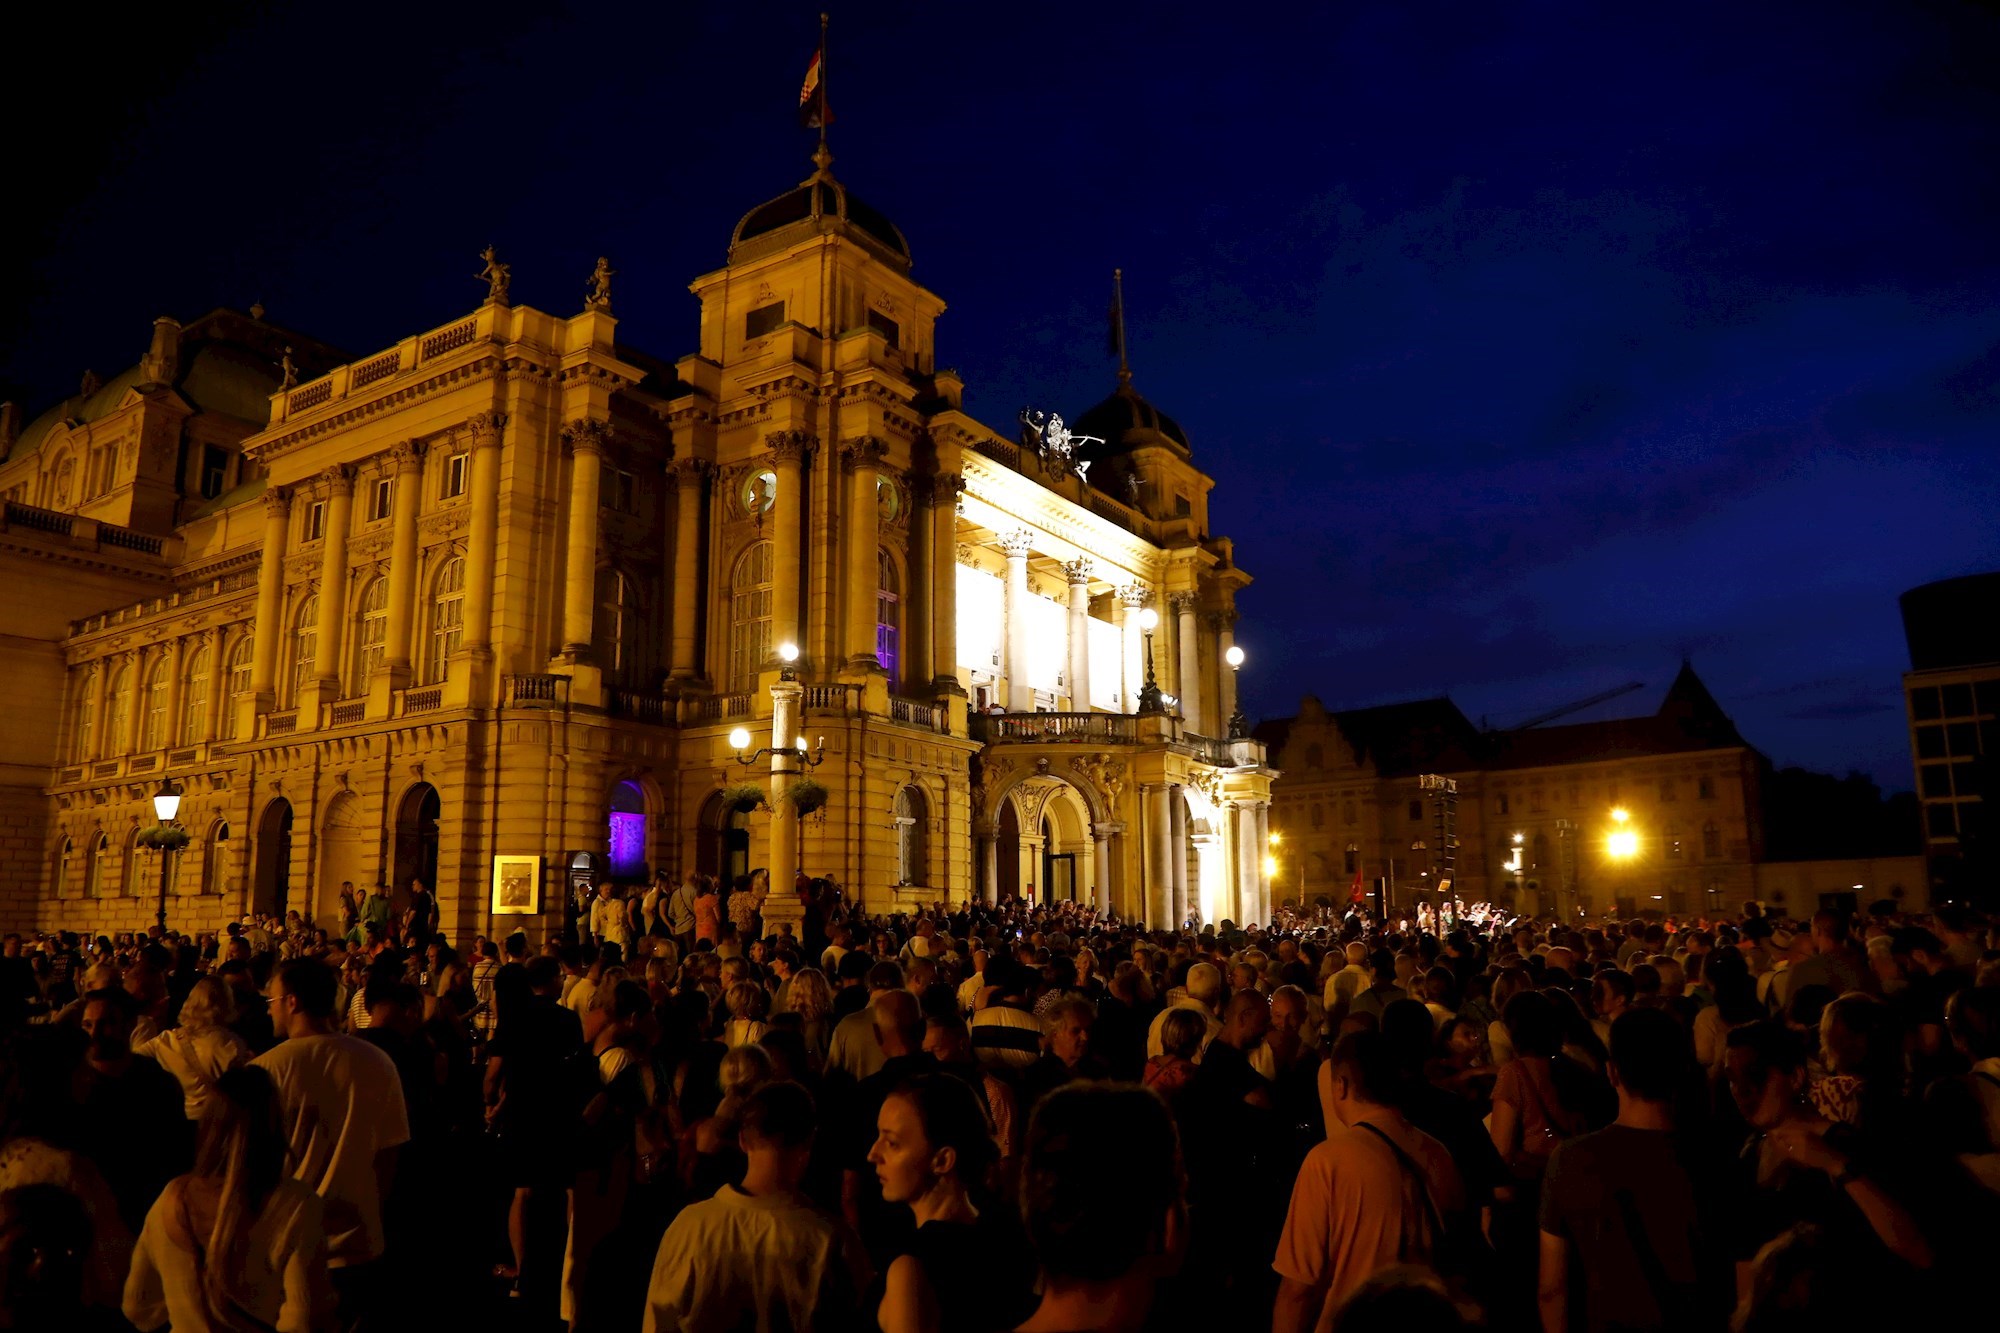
(746, 1015)
(236, 1243)
(203, 1048)
(811, 999)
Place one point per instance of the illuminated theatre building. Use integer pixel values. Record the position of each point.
(506, 588)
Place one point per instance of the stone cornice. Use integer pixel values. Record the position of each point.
(287, 438)
(1021, 499)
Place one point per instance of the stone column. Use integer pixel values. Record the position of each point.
(686, 573)
(269, 625)
(408, 459)
(135, 712)
(1100, 837)
(1078, 669)
(1187, 680)
(1132, 597)
(333, 579)
(946, 487)
(1263, 840)
(859, 463)
(170, 734)
(586, 443)
(1177, 836)
(788, 453)
(100, 685)
(218, 693)
(916, 645)
(1223, 623)
(785, 698)
(1159, 860)
(1249, 859)
(989, 865)
(1020, 694)
(482, 529)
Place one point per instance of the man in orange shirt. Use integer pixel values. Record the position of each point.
(1377, 1193)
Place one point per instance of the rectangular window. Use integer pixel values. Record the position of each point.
(615, 490)
(763, 321)
(382, 500)
(214, 467)
(316, 521)
(891, 331)
(1958, 701)
(1963, 738)
(1704, 788)
(1416, 812)
(1183, 507)
(1924, 704)
(1934, 779)
(1938, 821)
(454, 476)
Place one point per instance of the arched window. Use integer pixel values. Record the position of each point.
(1711, 842)
(60, 870)
(912, 859)
(447, 619)
(618, 627)
(215, 859)
(236, 685)
(93, 869)
(63, 483)
(888, 616)
(305, 646)
(750, 615)
(153, 706)
(84, 715)
(194, 695)
(117, 707)
(371, 632)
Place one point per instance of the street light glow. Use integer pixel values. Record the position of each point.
(788, 652)
(1270, 867)
(167, 801)
(1520, 838)
(739, 738)
(1622, 845)
(1149, 620)
(1234, 657)
(1619, 814)
(1274, 838)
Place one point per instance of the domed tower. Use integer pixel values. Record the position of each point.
(1144, 458)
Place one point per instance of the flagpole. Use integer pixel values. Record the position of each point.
(1118, 305)
(825, 102)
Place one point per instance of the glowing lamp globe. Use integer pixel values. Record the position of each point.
(739, 738)
(1234, 657)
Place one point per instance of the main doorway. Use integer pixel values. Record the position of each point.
(271, 880)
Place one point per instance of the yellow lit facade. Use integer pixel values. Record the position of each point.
(505, 587)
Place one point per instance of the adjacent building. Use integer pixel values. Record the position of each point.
(1952, 696)
(499, 594)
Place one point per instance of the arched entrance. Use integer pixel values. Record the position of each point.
(416, 842)
(1066, 860)
(626, 837)
(271, 879)
(1042, 842)
(722, 846)
(343, 856)
(1007, 830)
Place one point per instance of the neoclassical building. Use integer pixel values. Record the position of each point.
(505, 588)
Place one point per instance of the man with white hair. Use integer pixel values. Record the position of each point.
(1204, 996)
(1349, 981)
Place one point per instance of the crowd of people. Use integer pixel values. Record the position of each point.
(697, 1109)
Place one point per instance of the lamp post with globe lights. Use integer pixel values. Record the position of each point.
(168, 838)
(1239, 725)
(1150, 700)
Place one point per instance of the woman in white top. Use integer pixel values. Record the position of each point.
(236, 1243)
(203, 1048)
(746, 1015)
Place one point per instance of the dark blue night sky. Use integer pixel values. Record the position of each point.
(1532, 346)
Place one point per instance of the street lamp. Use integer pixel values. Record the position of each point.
(166, 804)
(788, 658)
(1239, 725)
(1149, 696)
(1623, 842)
(739, 741)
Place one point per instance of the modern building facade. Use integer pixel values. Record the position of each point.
(1952, 697)
(505, 588)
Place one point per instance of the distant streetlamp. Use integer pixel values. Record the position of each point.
(1149, 696)
(1239, 725)
(166, 804)
(1623, 842)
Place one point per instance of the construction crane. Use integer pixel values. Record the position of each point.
(1576, 707)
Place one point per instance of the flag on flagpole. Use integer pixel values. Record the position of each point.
(814, 113)
(1354, 890)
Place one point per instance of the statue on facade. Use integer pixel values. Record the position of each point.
(496, 276)
(288, 373)
(600, 286)
(1046, 434)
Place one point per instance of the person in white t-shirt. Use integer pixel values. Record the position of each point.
(342, 1109)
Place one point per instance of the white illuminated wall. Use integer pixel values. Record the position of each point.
(1106, 649)
(982, 618)
(1048, 643)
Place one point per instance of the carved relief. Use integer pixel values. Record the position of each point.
(1105, 771)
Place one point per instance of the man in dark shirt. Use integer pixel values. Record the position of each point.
(129, 1115)
(532, 1098)
(1623, 1245)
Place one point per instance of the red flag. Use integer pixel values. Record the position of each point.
(1354, 891)
(814, 113)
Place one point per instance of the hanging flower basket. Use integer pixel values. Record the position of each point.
(806, 796)
(742, 796)
(164, 838)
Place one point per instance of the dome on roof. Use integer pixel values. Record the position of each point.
(819, 205)
(1126, 421)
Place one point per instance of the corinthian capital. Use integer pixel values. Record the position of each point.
(789, 446)
(947, 487)
(338, 478)
(688, 468)
(1183, 603)
(864, 452)
(1017, 543)
(485, 426)
(587, 435)
(1078, 570)
(408, 455)
(277, 501)
(1135, 595)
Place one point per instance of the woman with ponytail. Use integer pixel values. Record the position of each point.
(236, 1245)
